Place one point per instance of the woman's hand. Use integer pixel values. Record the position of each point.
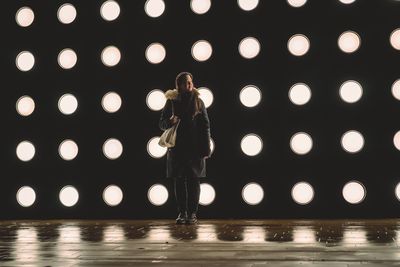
(174, 119)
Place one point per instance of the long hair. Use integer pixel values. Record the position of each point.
(195, 104)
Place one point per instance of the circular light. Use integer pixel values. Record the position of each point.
(69, 196)
(26, 196)
(68, 149)
(67, 58)
(354, 192)
(109, 10)
(249, 47)
(156, 100)
(350, 91)
(251, 144)
(155, 53)
(212, 145)
(302, 193)
(397, 191)
(352, 141)
(252, 193)
(200, 6)
(111, 102)
(25, 61)
(207, 194)
(298, 45)
(112, 148)
(110, 56)
(300, 94)
(396, 89)
(25, 151)
(250, 96)
(347, 2)
(67, 104)
(201, 50)
(395, 39)
(112, 195)
(66, 13)
(349, 41)
(24, 16)
(154, 149)
(301, 143)
(247, 5)
(297, 3)
(154, 8)
(396, 140)
(206, 95)
(25, 105)
(157, 194)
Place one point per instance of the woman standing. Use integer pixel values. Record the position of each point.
(186, 161)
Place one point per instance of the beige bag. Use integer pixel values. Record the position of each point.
(168, 137)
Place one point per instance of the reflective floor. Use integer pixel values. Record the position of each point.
(209, 243)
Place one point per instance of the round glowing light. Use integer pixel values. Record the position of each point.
(397, 191)
(207, 194)
(67, 104)
(111, 102)
(301, 143)
(351, 91)
(302, 193)
(67, 58)
(354, 192)
(298, 45)
(154, 149)
(349, 42)
(156, 100)
(300, 94)
(157, 194)
(66, 13)
(68, 196)
(68, 149)
(110, 10)
(200, 6)
(24, 16)
(26, 196)
(352, 141)
(395, 39)
(25, 151)
(212, 145)
(396, 140)
(112, 195)
(252, 193)
(110, 56)
(247, 5)
(25, 105)
(347, 2)
(112, 148)
(297, 3)
(154, 8)
(249, 47)
(250, 96)
(155, 53)
(201, 50)
(25, 61)
(396, 89)
(251, 144)
(206, 95)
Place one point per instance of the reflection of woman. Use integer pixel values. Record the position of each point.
(186, 160)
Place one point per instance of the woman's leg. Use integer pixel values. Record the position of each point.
(180, 193)
(193, 189)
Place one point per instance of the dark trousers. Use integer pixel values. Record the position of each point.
(187, 193)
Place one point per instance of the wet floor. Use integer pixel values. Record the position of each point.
(209, 243)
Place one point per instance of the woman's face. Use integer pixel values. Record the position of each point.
(187, 84)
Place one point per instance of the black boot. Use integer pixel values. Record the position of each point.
(192, 219)
(182, 217)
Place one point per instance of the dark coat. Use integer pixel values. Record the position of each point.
(192, 138)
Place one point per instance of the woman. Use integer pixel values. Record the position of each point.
(186, 160)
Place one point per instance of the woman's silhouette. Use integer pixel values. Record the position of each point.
(186, 161)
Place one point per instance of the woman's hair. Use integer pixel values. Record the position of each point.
(195, 105)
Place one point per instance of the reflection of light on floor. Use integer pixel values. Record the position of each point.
(160, 233)
(69, 243)
(254, 234)
(26, 245)
(69, 234)
(303, 234)
(113, 233)
(206, 232)
(355, 236)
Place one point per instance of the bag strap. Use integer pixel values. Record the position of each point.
(172, 104)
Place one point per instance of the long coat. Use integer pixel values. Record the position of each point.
(192, 137)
